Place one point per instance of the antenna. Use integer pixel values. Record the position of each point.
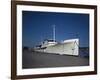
(54, 34)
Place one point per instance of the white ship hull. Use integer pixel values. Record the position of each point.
(68, 47)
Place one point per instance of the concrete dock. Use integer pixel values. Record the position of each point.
(45, 60)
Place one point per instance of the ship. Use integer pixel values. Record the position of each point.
(67, 47)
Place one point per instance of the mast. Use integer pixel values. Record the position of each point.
(54, 33)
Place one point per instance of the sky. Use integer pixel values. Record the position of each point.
(37, 26)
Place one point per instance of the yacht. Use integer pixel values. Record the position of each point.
(68, 46)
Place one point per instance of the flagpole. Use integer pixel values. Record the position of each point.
(54, 33)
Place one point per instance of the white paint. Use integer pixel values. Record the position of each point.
(68, 47)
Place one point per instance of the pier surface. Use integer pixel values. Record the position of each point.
(44, 60)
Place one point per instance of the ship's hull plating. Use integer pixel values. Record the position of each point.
(69, 47)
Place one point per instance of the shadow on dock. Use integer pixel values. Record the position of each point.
(32, 59)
